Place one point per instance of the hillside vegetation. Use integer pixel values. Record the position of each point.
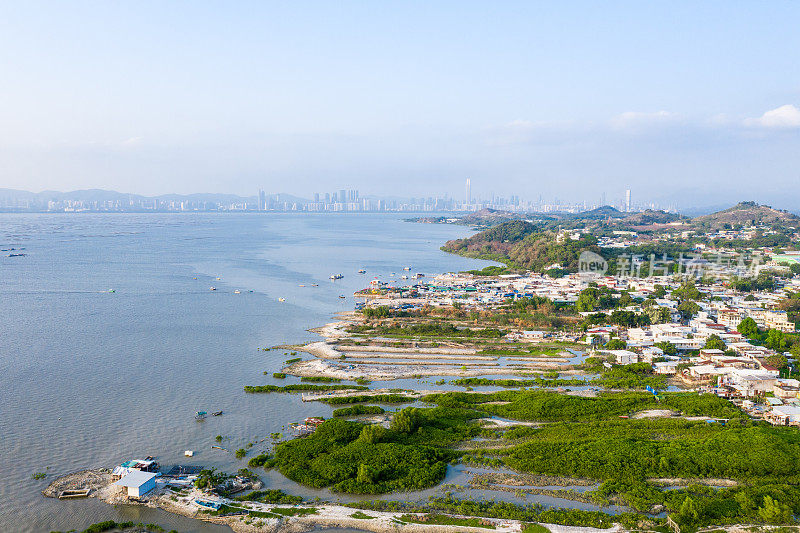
(747, 214)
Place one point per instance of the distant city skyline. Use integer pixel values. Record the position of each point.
(684, 103)
(339, 200)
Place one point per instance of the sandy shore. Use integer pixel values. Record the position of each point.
(184, 502)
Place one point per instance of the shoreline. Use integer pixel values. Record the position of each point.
(323, 515)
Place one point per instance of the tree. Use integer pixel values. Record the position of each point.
(778, 361)
(688, 309)
(772, 512)
(616, 344)
(667, 347)
(748, 328)
(687, 291)
(687, 514)
(714, 343)
(776, 340)
(657, 314)
(659, 291)
(587, 300)
(372, 434)
(406, 421)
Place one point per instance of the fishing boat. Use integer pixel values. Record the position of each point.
(200, 415)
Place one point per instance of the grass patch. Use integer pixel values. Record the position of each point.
(361, 516)
(356, 410)
(445, 520)
(294, 511)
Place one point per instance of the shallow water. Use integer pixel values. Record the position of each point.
(92, 378)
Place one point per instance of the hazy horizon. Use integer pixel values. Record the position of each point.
(684, 103)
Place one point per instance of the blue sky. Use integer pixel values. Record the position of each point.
(686, 102)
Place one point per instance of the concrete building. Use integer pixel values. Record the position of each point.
(137, 483)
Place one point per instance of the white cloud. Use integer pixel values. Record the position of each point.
(785, 116)
(637, 119)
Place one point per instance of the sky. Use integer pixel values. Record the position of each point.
(691, 103)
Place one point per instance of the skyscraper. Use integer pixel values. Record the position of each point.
(262, 200)
(469, 192)
(627, 200)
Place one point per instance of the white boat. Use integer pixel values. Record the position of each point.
(406, 268)
(281, 299)
(403, 277)
(337, 276)
(213, 288)
(237, 291)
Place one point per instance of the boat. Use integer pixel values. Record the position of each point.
(213, 288)
(302, 285)
(219, 279)
(315, 284)
(362, 271)
(200, 415)
(214, 447)
(111, 290)
(342, 296)
(337, 276)
(406, 268)
(403, 277)
(216, 413)
(281, 299)
(237, 291)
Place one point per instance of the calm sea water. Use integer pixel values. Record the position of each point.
(90, 378)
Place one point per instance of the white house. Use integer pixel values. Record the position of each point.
(624, 357)
(137, 483)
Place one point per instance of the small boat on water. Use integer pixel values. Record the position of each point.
(216, 413)
(237, 291)
(342, 296)
(315, 284)
(403, 277)
(200, 415)
(281, 299)
(362, 271)
(302, 285)
(337, 276)
(406, 268)
(213, 288)
(214, 447)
